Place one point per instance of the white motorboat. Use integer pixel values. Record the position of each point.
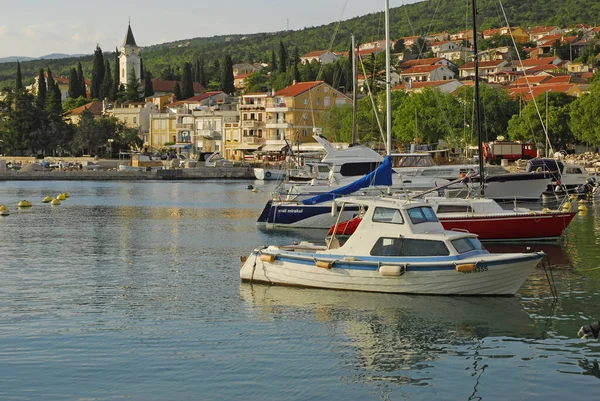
(565, 177)
(399, 247)
(269, 174)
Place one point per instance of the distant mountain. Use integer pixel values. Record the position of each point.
(53, 56)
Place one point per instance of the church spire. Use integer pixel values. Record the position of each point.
(129, 40)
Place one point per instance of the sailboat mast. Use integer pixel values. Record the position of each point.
(388, 83)
(354, 54)
(477, 103)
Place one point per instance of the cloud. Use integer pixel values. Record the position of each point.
(31, 31)
(3, 30)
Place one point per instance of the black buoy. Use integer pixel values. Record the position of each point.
(249, 186)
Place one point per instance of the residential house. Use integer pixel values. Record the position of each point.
(530, 63)
(162, 130)
(466, 35)
(437, 37)
(410, 40)
(239, 81)
(498, 53)
(437, 48)
(516, 33)
(135, 115)
(538, 32)
(461, 53)
(448, 86)
(252, 127)
(421, 73)
(527, 93)
(427, 61)
(294, 111)
(322, 56)
(96, 108)
(245, 68)
(486, 68)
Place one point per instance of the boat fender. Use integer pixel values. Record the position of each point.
(268, 174)
(267, 258)
(323, 264)
(391, 271)
(466, 268)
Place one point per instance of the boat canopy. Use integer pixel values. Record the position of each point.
(381, 176)
(545, 164)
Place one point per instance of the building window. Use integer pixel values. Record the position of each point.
(318, 101)
(163, 124)
(245, 116)
(260, 116)
(122, 72)
(260, 133)
(304, 132)
(155, 124)
(252, 116)
(305, 101)
(326, 101)
(135, 120)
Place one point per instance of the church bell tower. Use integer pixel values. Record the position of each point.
(129, 58)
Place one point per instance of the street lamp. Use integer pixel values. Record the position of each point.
(110, 142)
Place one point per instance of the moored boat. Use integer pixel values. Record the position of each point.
(399, 247)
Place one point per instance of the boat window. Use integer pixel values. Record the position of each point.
(463, 245)
(409, 247)
(354, 169)
(423, 214)
(573, 170)
(387, 215)
(454, 209)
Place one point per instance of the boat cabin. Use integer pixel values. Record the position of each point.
(399, 228)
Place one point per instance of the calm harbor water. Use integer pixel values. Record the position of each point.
(131, 291)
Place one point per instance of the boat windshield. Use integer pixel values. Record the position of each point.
(463, 245)
(386, 246)
(387, 215)
(422, 214)
(418, 160)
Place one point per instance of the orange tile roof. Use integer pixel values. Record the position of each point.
(484, 64)
(419, 85)
(315, 53)
(421, 69)
(537, 79)
(529, 93)
(297, 89)
(531, 62)
(421, 61)
(94, 107)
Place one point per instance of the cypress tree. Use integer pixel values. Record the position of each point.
(41, 95)
(142, 73)
(53, 103)
(107, 83)
(148, 89)
(97, 72)
(19, 79)
(282, 58)
(227, 81)
(203, 81)
(49, 82)
(81, 77)
(177, 91)
(74, 84)
(115, 88)
(273, 61)
(197, 70)
(187, 85)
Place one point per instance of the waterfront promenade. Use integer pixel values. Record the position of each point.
(108, 171)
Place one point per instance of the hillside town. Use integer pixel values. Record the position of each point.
(246, 125)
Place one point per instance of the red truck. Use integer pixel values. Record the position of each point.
(494, 152)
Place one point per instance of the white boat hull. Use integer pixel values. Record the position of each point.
(268, 174)
(494, 275)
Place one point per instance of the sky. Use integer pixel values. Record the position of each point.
(35, 28)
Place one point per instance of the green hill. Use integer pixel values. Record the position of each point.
(414, 19)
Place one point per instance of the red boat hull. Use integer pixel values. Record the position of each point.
(505, 227)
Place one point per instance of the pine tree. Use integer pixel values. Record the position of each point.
(41, 95)
(19, 80)
(187, 85)
(282, 58)
(97, 72)
(107, 83)
(74, 84)
(148, 89)
(131, 92)
(177, 91)
(81, 77)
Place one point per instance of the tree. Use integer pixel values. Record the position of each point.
(20, 121)
(399, 46)
(19, 79)
(283, 58)
(273, 61)
(133, 86)
(97, 72)
(585, 116)
(107, 84)
(74, 85)
(81, 77)
(116, 81)
(88, 136)
(148, 88)
(71, 103)
(41, 95)
(227, 81)
(177, 91)
(257, 81)
(187, 85)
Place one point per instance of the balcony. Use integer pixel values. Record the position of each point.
(186, 126)
(278, 123)
(277, 108)
(252, 140)
(252, 124)
(250, 107)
